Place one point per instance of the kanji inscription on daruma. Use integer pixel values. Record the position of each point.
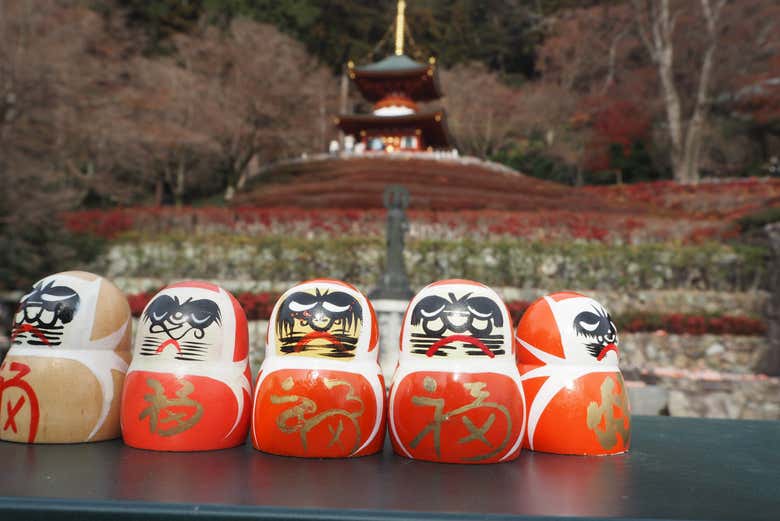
(568, 357)
(320, 392)
(456, 396)
(188, 387)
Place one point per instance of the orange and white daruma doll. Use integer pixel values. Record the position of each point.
(188, 387)
(568, 358)
(320, 393)
(456, 395)
(70, 345)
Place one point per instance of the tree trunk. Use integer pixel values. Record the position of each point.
(656, 27)
(179, 192)
(343, 96)
(158, 192)
(579, 179)
(771, 362)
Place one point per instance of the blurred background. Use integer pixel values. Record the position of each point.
(629, 150)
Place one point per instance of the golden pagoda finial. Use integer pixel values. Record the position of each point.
(399, 28)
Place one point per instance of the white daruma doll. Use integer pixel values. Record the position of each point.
(456, 395)
(320, 392)
(70, 345)
(188, 387)
(568, 358)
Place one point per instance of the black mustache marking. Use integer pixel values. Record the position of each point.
(53, 339)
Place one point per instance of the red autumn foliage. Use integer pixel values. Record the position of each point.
(257, 306)
(719, 201)
(682, 324)
(138, 301)
(543, 225)
(614, 122)
(517, 309)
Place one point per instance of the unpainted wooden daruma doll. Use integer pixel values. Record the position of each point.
(456, 395)
(61, 381)
(188, 387)
(568, 359)
(320, 393)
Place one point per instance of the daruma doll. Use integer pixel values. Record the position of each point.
(456, 395)
(70, 345)
(188, 387)
(568, 358)
(320, 392)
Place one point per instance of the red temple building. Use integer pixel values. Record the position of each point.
(395, 85)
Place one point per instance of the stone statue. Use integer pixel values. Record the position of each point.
(395, 283)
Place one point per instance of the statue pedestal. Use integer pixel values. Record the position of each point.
(390, 314)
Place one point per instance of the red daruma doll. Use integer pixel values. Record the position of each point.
(320, 393)
(568, 358)
(188, 386)
(456, 395)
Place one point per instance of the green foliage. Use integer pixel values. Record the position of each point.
(636, 165)
(756, 221)
(509, 262)
(160, 19)
(537, 164)
(502, 34)
(34, 251)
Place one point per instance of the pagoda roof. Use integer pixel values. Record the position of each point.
(397, 74)
(432, 126)
(394, 64)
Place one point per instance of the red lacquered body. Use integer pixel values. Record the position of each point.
(568, 360)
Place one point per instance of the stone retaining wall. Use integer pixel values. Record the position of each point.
(725, 397)
(516, 263)
(725, 353)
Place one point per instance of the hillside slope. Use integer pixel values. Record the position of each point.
(358, 182)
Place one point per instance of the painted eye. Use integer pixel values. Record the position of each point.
(160, 317)
(333, 308)
(24, 298)
(589, 326)
(55, 298)
(431, 314)
(203, 318)
(478, 314)
(298, 307)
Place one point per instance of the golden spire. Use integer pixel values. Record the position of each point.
(399, 28)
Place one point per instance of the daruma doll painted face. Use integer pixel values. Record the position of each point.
(568, 358)
(320, 393)
(456, 395)
(188, 387)
(70, 345)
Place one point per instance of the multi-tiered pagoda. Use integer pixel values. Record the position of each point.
(396, 85)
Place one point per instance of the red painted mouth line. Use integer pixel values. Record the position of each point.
(29, 328)
(314, 335)
(606, 349)
(169, 342)
(459, 338)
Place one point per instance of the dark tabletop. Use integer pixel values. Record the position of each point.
(677, 469)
